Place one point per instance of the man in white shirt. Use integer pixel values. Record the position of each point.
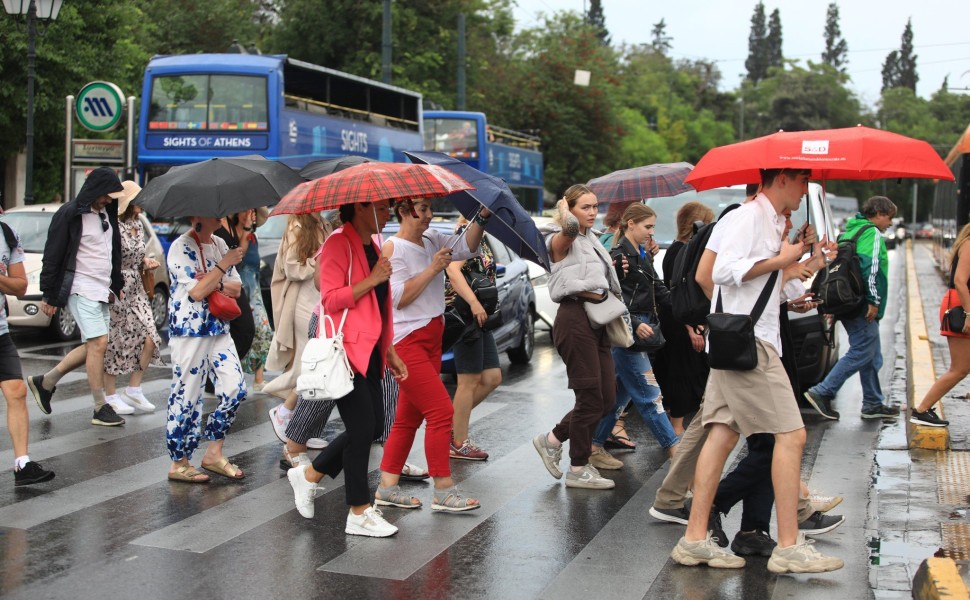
(82, 273)
(760, 400)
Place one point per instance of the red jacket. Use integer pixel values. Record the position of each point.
(364, 326)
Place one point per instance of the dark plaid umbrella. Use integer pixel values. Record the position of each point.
(370, 182)
(641, 183)
(512, 225)
(322, 168)
(217, 187)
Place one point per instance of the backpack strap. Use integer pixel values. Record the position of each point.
(9, 236)
(761, 304)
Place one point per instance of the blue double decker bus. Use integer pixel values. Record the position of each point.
(201, 106)
(511, 155)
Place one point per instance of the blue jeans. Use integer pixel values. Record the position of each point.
(631, 383)
(864, 356)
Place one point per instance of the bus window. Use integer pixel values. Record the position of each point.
(214, 102)
(456, 137)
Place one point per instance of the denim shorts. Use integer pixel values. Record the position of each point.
(93, 317)
(475, 352)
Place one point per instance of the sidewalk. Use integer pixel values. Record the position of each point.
(920, 498)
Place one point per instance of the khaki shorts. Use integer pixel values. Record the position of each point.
(756, 401)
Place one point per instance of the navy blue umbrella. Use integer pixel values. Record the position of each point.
(512, 225)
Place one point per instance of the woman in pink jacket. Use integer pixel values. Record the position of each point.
(354, 278)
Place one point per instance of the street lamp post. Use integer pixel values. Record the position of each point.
(33, 9)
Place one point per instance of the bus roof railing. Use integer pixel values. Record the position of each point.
(346, 111)
(514, 138)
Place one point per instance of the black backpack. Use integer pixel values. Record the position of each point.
(841, 287)
(687, 299)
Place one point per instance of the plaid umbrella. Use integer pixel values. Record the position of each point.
(371, 182)
(640, 183)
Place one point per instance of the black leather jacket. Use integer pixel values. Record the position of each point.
(643, 290)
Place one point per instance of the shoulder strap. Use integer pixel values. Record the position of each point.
(862, 230)
(9, 236)
(759, 306)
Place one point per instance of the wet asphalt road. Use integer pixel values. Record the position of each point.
(110, 525)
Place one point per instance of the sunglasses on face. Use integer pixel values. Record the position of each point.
(104, 221)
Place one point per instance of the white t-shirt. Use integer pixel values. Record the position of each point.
(92, 270)
(408, 260)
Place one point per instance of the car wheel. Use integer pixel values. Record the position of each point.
(63, 325)
(160, 307)
(523, 353)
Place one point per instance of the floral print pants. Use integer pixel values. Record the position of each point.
(193, 358)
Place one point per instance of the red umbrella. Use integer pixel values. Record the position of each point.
(849, 153)
(640, 183)
(371, 182)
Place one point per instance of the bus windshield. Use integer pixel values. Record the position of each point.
(209, 102)
(455, 137)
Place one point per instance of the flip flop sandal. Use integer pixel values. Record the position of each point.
(187, 474)
(451, 500)
(619, 442)
(225, 468)
(413, 473)
(393, 496)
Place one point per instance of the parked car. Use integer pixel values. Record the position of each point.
(925, 231)
(813, 334)
(516, 299)
(32, 223)
(889, 236)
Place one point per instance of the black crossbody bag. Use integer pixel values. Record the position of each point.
(730, 337)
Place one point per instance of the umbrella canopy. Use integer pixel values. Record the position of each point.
(640, 183)
(217, 187)
(370, 182)
(849, 153)
(322, 168)
(512, 225)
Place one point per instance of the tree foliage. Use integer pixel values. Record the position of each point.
(757, 62)
(773, 41)
(899, 69)
(659, 40)
(836, 53)
(597, 20)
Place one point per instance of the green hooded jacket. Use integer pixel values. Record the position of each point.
(874, 264)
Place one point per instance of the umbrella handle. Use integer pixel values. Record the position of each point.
(461, 235)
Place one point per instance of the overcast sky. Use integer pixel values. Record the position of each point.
(718, 30)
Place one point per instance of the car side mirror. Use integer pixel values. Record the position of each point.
(499, 270)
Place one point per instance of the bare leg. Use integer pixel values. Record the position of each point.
(147, 352)
(959, 368)
(290, 402)
(15, 391)
(109, 384)
(720, 441)
(785, 478)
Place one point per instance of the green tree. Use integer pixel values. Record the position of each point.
(773, 41)
(836, 48)
(899, 69)
(660, 41)
(757, 62)
(597, 19)
(188, 27)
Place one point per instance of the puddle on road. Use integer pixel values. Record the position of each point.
(881, 552)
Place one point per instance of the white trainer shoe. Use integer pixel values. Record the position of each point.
(118, 405)
(279, 423)
(304, 491)
(317, 443)
(370, 523)
(135, 398)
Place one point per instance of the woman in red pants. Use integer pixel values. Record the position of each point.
(419, 256)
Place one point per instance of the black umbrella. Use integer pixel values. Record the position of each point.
(322, 168)
(217, 187)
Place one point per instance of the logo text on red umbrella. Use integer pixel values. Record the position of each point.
(815, 146)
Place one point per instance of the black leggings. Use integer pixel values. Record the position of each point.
(362, 411)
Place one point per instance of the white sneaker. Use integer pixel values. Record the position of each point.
(370, 523)
(823, 503)
(317, 443)
(279, 423)
(588, 478)
(119, 407)
(303, 491)
(135, 397)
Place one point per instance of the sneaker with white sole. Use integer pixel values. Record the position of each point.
(671, 515)
(705, 551)
(802, 558)
(601, 459)
(119, 406)
(135, 398)
(317, 443)
(820, 523)
(370, 523)
(106, 417)
(278, 422)
(823, 504)
(588, 478)
(550, 456)
(304, 491)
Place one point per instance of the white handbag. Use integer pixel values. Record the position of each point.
(325, 369)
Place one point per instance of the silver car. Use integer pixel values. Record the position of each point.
(32, 223)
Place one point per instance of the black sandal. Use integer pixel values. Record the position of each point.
(618, 440)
